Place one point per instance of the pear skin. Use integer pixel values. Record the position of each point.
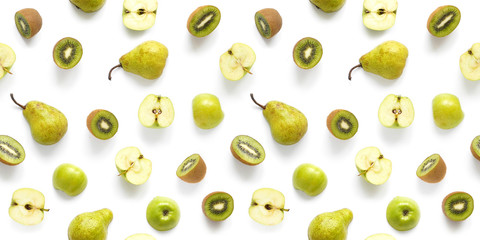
(328, 6)
(90, 225)
(88, 6)
(330, 225)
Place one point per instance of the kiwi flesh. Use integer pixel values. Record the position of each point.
(11, 151)
(28, 22)
(268, 22)
(217, 206)
(307, 53)
(102, 124)
(457, 206)
(432, 169)
(192, 169)
(67, 53)
(203, 20)
(443, 20)
(342, 124)
(475, 147)
(247, 150)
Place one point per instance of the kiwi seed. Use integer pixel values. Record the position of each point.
(432, 169)
(443, 20)
(11, 151)
(457, 206)
(475, 147)
(102, 124)
(268, 22)
(342, 124)
(203, 20)
(217, 206)
(247, 150)
(307, 52)
(67, 52)
(28, 22)
(192, 169)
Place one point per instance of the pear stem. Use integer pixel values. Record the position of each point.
(110, 73)
(15, 101)
(350, 73)
(255, 101)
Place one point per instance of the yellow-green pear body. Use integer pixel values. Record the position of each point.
(330, 225)
(47, 124)
(328, 5)
(90, 225)
(387, 60)
(147, 60)
(88, 5)
(287, 124)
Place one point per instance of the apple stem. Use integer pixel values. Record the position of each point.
(15, 101)
(255, 101)
(45, 210)
(365, 171)
(110, 73)
(6, 70)
(126, 170)
(285, 210)
(350, 73)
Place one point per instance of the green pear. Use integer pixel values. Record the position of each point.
(328, 5)
(90, 225)
(47, 124)
(387, 60)
(287, 124)
(147, 60)
(88, 5)
(330, 225)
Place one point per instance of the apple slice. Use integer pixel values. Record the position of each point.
(380, 236)
(7, 59)
(156, 111)
(27, 206)
(379, 15)
(396, 111)
(372, 166)
(237, 61)
(470, 63)
(267, 206)
(139, 15)
(132, 166)
(140, 236)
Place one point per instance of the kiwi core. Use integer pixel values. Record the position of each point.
(204, 21)
(248, 149)
(8, 149)
(444, 21)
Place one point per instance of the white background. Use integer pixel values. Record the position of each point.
(192, 68)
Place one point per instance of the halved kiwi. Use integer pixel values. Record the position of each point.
(457, 206)
(342, 124)
(307, 52)
(67, 53)
(247, 150)
(443, 20)
(268, 22)
(203, 20)
(11, 151)
(28, 22)
(102, 124)
(192, 169)
(217, 206)
(432, 169)
(475, 147)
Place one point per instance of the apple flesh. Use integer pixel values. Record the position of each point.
(379, 15)
(207, 112)
(69, 179)
(237, 61)
(156, 111)
(380, 236)
(140, 236)
(372, 166)
(447, 111)
(470, 63)
(7, 59)
(163, 213)
(309, 179)
(132, 166)
(396, 111)
(139, 15)
(403, 213)
(27, 207)
(267, 206)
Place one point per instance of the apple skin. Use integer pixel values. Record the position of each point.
(163, 213)
(396, 210)
(207, 112)
(309, 179)
(69, 179)
(447, 112)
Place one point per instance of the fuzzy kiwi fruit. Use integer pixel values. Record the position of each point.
(102, 124)
(28, 22)
(217, 206)
(67, 52)
(342, 124)
(247, 150)
(475, 147)
(457, 206)
(192, 169)
(11, 151)
(432, 169)
(443, 20)
(307, 52)
(268, 22)
(203, 20)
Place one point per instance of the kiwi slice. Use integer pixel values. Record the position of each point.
(67, 52)
(203, 20)
(192, 169)
(475, 147)
(457, 206)
(342, 124)
(432, 169)
(217, 206)
(11, 151)
(268, 22)
(247, 150)
(443, 20)
(28, 22)
(307, 52)
(102, 124)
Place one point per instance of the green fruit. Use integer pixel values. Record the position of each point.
(90, 225)
(7, 59)
(140, 236)
(28, 22)
(163, 213)
(203, 20)
(342, 124)
(469, 64)
(139, 15)
(268, 22)
(247, 150)
(11, 151)
(133, 166)
(88, 5)
(102, 124)
(373, 166)
(192, 169)
(396, 111)
(27, 206)
(237, 61)
(330, 225)
(307, 53)
(156, 111)
(267, 206)
(207, 112)
(69, 179)
(403, 213)
(447, 112)
(443, 20)
(380, 236)
(432, 169)
(379, 15)
(475, 147)
(309, 179)
(457, 206)
(67, 53)
(328, 5)
(217, 206)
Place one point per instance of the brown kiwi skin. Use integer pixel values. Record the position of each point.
(34, 20)
(196, 174)
(274, 20)
(90, 118)
(437, 174)
(330, 119)
(205, 201)
(473, 151)
(445, 201)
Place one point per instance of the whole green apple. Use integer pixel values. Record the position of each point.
(309, 179)
(207, 112)
(403, 213)
(69, 179)
(163, 213)
(328, 5)
(447, 112)
(88, 5)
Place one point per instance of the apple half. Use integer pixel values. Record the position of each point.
(139, 15)
(237, 61)
(267, 206)
(379, 15)
(470, 63)
(372, 166)
(27, 207)
(396, 111)
(156, 111)
(132, 166)
(7, 59)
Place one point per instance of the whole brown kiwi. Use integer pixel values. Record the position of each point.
(32, 22)
(272, 20)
